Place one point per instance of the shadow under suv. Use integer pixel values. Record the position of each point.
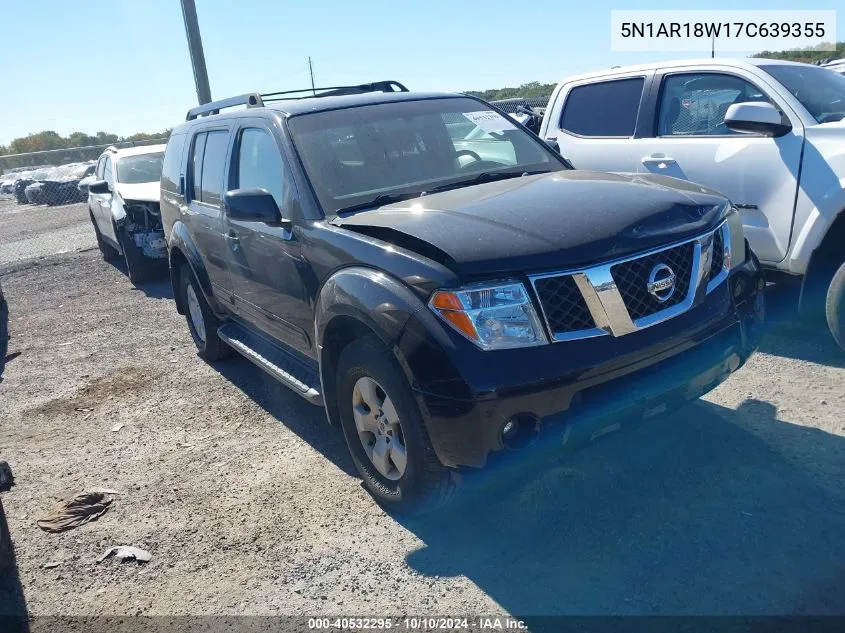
(441, 281)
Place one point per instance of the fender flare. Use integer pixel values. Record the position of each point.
(181, 242)
(379, 302)
(382, 303)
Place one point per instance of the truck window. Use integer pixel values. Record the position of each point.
(607, 108)
(213, 162)
(172, 167)
(694, 104)
(260, 164)
(196, 165)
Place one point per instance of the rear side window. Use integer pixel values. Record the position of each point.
(171, 169)
(196, 165)
(213, 164)
(608, 108)
(260, 164)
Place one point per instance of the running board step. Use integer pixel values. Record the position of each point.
(279, 363)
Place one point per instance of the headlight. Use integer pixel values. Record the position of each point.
(735, 253)
(493, 316)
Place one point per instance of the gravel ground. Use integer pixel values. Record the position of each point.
(248, 501)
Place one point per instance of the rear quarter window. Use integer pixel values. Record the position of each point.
(607, 108)
(171, 169)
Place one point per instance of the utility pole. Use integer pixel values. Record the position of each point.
(311, 70)
(713, 46)
(192, 30)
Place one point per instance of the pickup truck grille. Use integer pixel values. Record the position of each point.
(718, 254)
(632, 279)
(563, 304)
(623, 296)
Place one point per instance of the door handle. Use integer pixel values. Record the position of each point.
(232, 237)
(660, 161)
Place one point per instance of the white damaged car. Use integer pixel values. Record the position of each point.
(123, 202)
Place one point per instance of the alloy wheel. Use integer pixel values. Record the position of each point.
(379, 428)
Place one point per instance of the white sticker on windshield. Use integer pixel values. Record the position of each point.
(489, 121)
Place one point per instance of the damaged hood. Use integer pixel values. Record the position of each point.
(548, 221)
(142, 191)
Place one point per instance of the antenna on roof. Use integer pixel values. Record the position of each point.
(311, 70)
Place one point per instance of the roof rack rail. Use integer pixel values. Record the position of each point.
(332, 91)
(250, 100)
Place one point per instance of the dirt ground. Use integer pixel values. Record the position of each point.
(248, 501)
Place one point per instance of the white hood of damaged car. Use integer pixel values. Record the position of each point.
(142, 192)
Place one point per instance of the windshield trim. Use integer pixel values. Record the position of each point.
(325, 213)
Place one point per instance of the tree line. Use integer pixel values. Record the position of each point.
(50, 140)
(808, 57)
(537, 89)
(530, 90)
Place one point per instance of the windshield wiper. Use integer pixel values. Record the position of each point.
(486, 176)
(379, 201)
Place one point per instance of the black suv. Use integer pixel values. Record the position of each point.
(441, 281)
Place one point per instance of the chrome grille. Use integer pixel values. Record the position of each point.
(718, 254)
(631, 279)
(563, 304)
(614, 298)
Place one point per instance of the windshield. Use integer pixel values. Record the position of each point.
(820, 90)
(355, 155)
(133, 170)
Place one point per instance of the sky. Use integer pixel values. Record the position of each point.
(123, 67)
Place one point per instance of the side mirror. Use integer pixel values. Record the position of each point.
(553, 145)
(253, 205)
(757, 117)
(99, 186)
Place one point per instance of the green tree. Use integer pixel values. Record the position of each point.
(528, 90)
(805, 56)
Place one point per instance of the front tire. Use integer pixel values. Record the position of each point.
(202, 324)
(137, 265)
(385, 432)
(835, 306)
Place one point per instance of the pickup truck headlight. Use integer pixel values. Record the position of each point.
(493, 316)
(735, 255)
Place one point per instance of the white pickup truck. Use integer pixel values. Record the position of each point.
(768, 134)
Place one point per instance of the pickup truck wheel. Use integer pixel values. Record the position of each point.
(4, 332)
(137, 265)
(202, 324)
(835, 306)
(108, 251)
(385, 431)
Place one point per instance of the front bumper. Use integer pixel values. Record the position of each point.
(583, 388)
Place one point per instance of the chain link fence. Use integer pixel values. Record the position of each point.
(54, 177)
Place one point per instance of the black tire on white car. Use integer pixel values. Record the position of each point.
(137, 265)
(835, 306)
